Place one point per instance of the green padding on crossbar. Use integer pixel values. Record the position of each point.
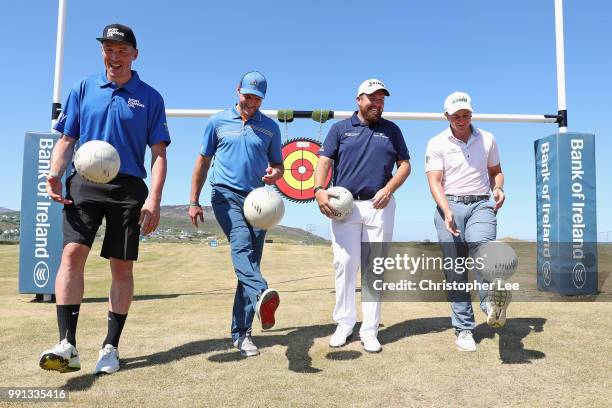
(320, 115)
(285, 115)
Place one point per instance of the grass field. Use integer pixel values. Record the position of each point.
(176, 351)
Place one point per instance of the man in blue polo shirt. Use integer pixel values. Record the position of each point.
(246, 147)
(363, 151)
(117, 107)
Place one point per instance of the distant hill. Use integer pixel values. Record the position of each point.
(175, 226)
(5, 210)
(174, 217)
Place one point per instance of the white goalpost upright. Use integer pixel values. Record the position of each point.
(56, 107)
(560, 47)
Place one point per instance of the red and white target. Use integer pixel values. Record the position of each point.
(300, 160)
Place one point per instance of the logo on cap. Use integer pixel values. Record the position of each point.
(114, 31)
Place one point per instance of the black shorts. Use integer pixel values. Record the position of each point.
(119, 201)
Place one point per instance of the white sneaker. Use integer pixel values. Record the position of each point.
(62, 357)
(246, 346)
(371, 344)
(465, 341)
(108, 360)
(498, 302)
(340, 336)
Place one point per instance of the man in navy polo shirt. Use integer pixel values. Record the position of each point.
(363, 150)
(117, 107)
(246, 147)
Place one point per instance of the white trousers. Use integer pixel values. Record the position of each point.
(364, 224)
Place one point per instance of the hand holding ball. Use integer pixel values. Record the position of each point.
(342, 201)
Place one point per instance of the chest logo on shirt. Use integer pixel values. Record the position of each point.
(378, 134)
(351, 134)
(132, 103)
(453, 150)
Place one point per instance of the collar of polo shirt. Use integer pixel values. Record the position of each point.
(130, 86)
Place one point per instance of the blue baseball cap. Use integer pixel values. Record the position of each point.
(254, 83)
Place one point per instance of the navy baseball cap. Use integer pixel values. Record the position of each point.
(254, 83)
(118, 32)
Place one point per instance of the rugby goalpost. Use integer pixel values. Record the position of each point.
(560, 117)
(565, 179)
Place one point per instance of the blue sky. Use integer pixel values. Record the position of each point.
(314, 55)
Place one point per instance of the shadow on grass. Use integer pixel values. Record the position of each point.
(194, 348)
(343, 355)
(138, 298)
(511, 347)
(299, 340)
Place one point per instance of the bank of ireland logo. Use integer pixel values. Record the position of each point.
(579, 275)
(41, 274)
(546, 273)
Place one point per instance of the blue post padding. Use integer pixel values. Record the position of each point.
(40, 248)
(566, 214)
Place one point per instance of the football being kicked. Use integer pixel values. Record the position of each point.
(97, 161)
(263, 208)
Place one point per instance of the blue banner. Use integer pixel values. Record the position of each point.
(41, 240)
(566, 214)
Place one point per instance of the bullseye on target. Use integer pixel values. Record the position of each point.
(300, 160)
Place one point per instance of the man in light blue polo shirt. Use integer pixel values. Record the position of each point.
(363, 150)
(117, 107)
(246, 147)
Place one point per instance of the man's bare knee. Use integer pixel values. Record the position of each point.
(121, 269)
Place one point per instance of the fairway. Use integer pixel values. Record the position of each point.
(175, 349)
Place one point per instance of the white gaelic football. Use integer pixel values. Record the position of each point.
(342, 203)
(498, 258)
(263, 208)
(97, 161)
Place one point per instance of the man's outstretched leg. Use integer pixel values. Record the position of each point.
(64, 357)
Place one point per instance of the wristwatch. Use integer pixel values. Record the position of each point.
(498, 188)
(317, 188)
(194, 204)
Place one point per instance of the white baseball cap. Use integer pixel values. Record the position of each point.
(457, 101)
(369, 86)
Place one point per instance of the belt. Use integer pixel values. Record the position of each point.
(362, 196)
(467, 199)
(232, 189)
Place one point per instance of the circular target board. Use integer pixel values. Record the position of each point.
(300, 160)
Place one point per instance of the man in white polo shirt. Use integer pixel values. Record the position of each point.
(463, 168)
